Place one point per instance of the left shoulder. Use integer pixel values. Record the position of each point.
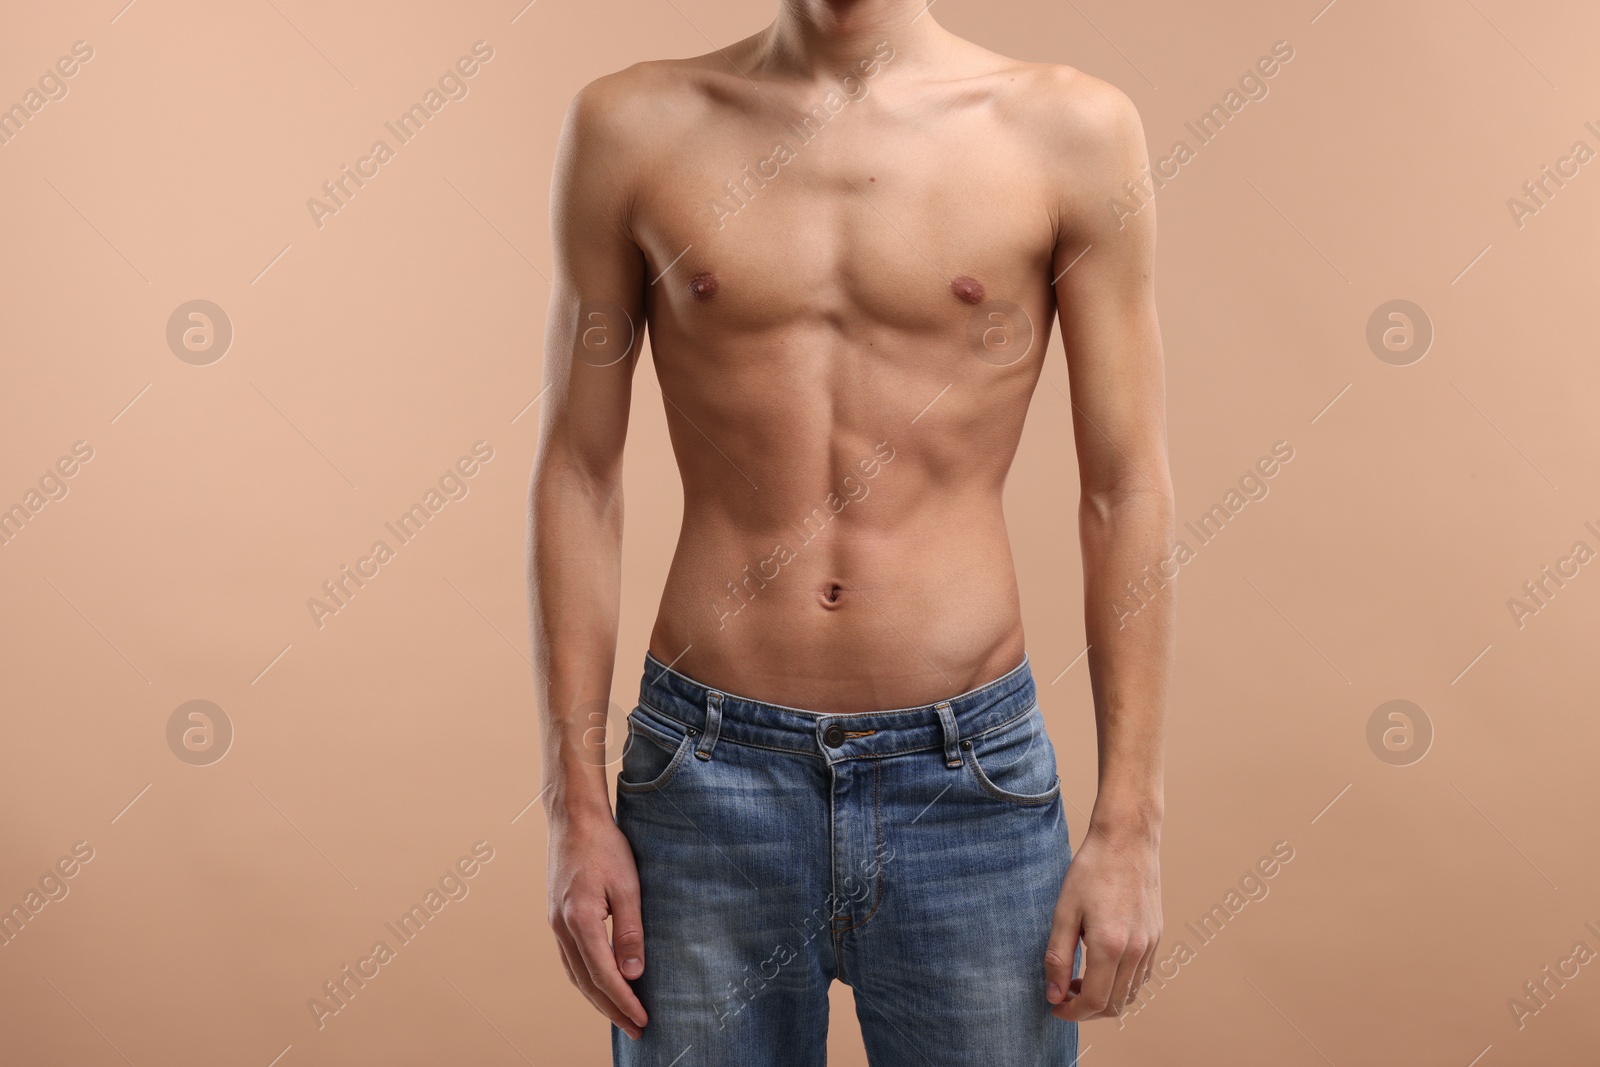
(1089, 144)
(1078, 112)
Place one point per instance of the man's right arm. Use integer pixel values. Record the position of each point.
(592, 340)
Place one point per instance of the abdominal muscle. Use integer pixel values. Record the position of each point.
(864, 616)
(850, 565)
(843, 447)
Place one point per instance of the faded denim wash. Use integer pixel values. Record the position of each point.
(914, 854)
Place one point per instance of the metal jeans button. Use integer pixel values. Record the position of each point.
(833, 736)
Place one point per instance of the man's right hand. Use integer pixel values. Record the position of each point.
(592, 875)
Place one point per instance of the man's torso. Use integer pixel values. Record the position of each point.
(849, 298)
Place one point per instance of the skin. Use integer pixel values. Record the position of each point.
(819, 323)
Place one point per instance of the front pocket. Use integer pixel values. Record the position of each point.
(1016, 763)
(652, 756)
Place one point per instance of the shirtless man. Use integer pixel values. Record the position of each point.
(848, 236)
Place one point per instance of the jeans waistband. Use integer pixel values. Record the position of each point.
(716, 715)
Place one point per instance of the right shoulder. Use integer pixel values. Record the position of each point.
(616, 130)
(635, 105)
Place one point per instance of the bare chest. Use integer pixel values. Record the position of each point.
(848, 218)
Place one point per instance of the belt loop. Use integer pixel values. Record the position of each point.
(947, 719)
(708, 738)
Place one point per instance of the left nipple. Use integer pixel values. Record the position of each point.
(967, 290)
(703, 286)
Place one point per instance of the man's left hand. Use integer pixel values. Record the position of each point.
(1111, 901)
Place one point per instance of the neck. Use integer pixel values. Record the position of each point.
(819, 37)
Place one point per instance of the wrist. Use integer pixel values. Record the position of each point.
(568, 811)
(1134, 819)
(575, 796)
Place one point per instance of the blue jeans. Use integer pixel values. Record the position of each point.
(914, 854)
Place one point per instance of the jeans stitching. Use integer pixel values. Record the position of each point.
(649, 730)
(661, 780)
(877, 826)
(1020, 799)
(865, 755)
(643, 703)
(1006, 677)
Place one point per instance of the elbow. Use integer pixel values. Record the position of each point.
(1140, 484)
(564, 482)
(1148, 493)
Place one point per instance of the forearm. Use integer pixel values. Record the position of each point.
(1126, 537)
(574, 573)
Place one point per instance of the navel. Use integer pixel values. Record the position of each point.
(967, 290)
(703, 286)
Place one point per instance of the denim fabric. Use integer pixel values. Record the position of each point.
(914, 854)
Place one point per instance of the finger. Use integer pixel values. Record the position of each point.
(575, 972)
(627, 932)
(1127, 970)
(1058, 958)
(566, 962)
(601, 965)
(1141, 976)
(1100, 961)
(578, 972)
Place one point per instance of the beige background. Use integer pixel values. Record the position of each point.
(368, 355)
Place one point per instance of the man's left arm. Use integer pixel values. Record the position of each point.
(1104, 271)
